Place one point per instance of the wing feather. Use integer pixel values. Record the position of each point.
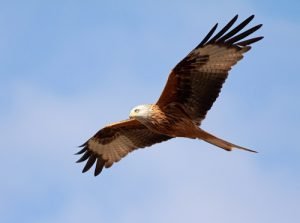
(235, 30)
(113, 142)
(224, 30)
(196, 81)
(99, 166)
(89, 163)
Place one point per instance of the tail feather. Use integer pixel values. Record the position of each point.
(219, 142)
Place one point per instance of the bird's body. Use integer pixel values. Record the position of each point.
(173, 124)
(192, 88)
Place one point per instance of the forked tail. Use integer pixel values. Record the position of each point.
(201, 134)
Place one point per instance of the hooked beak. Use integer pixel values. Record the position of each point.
(131, 116)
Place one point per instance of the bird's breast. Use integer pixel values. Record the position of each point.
(171, 125)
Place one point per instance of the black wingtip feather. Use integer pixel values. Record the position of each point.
(81, 151)
(99, 166)
(224, 30)
(89, 163)
(206, 38)
(84, 157)
(224, 36)
(243, 34)
(84, 144)
(236, 29)
(249, 41)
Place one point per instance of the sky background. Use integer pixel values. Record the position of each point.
(70, 67)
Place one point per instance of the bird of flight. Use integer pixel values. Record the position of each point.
(192, 88)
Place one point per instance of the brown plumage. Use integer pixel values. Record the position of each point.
(192, 88)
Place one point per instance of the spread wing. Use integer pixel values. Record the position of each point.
(196, 81)
(115, 141)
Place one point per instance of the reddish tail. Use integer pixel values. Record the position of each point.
(219, 142)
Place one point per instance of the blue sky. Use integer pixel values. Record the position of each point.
(70, 67)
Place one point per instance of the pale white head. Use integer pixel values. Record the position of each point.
(140, 112)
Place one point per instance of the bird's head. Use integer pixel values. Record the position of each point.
(140, 112)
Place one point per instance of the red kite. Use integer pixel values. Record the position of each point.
(192, 87)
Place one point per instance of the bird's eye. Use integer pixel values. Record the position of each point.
(136, 110)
